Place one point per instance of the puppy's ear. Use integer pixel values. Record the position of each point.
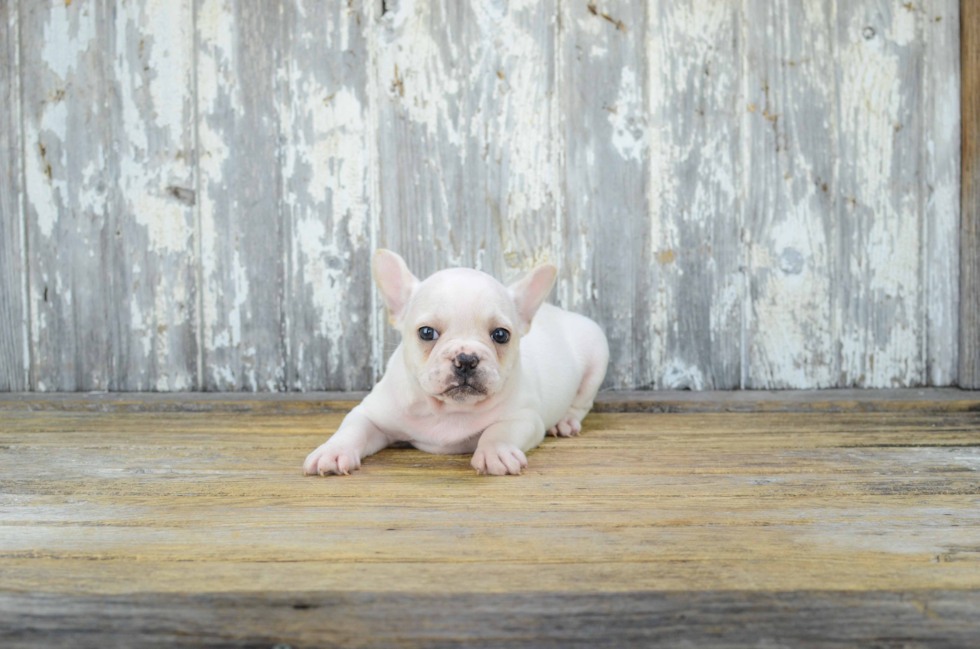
(531, 290)
(395, 281)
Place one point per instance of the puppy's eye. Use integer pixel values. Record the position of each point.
(500, 336)
(428, 333)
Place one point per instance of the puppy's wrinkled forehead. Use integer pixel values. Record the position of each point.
(464, 292)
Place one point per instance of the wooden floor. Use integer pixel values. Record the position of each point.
(828, 520)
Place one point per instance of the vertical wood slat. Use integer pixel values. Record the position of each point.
(327, 199)
(108, 136)
(940, 187)
(68, 179)
(604, 106)
(911, 45)
(790, 147)
(879, 210)
(240, 181)
(151, 251)
(969, 351)
(14, 346)
(695, 215)
(467, 160)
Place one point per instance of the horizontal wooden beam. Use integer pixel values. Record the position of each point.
(849, 400)
(708, 619)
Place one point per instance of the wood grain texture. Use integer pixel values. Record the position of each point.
(572, 619)
(814, 246)
(467, 138)
(14, 346)
(790, 148)
(934, 400)
(172, 525)
(604, 118)
(940, 188)
(881, 298)
(69, 186)
(152, 253)
(328, 160)
(243, 268)
(109, 140)
(969, 321)
(695, 301)
(759, 195)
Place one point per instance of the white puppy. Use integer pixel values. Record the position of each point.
(471, 374)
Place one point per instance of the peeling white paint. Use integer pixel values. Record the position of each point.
(678, 375)
(338, 157)
(139, 327)
(427, 90)
(520, 100)
(695, 187)
(169, 58)
(325, 123)
(217, 91)
(326, 285)
(487, 106)
(67, 37)
(16, 171)
(154, 70)
(628, 118)
(887, 263)
(46, 194)
(941, 91)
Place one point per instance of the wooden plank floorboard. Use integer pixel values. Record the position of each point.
(342, 619)
(130, 527)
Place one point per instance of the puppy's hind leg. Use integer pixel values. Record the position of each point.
(595, 373)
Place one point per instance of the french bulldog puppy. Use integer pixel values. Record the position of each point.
(483, 368)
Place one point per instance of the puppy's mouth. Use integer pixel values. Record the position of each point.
(461, 391)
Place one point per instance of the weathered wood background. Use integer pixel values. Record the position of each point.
(754, 193)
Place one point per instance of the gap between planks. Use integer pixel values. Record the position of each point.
(667, 401)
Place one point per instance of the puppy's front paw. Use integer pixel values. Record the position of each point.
(499, 459)
(331, 459)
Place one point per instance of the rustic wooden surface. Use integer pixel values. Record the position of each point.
(940, 183)
(71, 232)
(693, 303)
(879, 322)
(344, 619)
(242, 258)
(108, 124)
(790, 132)
(183, 528)
(969, 353)
(14, 348)
(758, 196)
(329, 168)
(650, 401)
(603, 113)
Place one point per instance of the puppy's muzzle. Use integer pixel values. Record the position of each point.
(465, 365)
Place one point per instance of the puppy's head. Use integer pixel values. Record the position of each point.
(460, 327)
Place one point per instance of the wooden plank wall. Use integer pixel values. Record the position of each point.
(760, 194)
(14, 347)
(970, 229)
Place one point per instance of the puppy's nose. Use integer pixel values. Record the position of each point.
(466, 364)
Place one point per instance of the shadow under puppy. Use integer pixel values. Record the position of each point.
(483, 368)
